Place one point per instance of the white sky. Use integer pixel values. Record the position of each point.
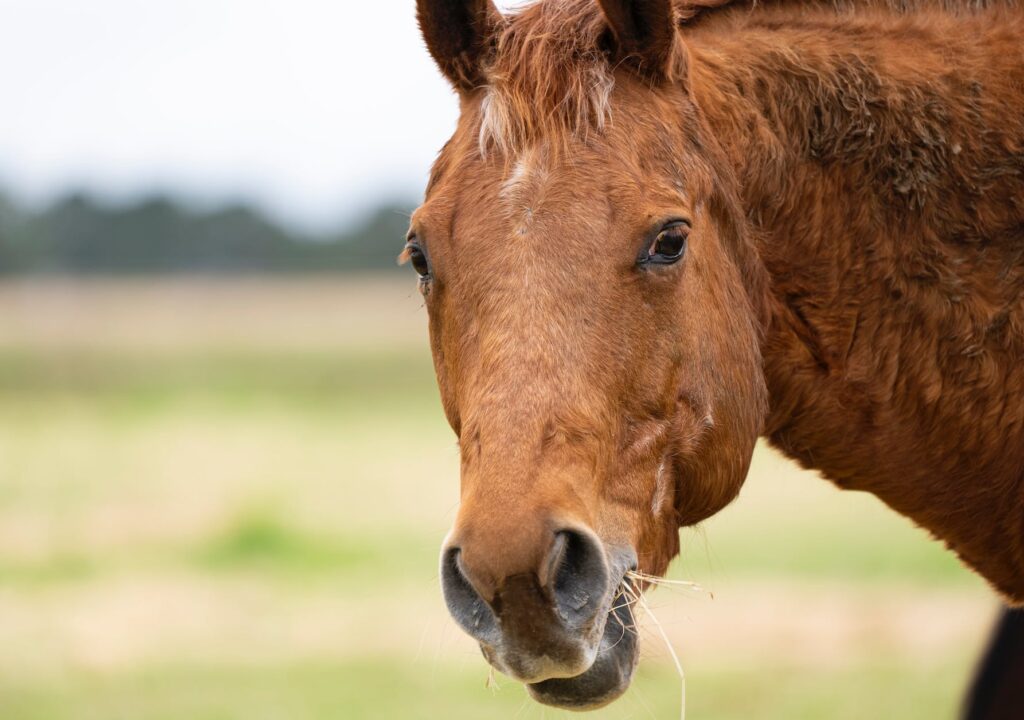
(314, 108)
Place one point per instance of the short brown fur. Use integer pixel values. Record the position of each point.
(854, 288)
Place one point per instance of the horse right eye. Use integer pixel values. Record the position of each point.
(669, 246)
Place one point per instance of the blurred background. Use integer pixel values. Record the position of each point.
(224, 471)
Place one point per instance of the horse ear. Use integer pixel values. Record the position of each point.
(459, 34)
(644, 32)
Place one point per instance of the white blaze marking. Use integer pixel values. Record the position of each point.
(518, 179)
(523, 188)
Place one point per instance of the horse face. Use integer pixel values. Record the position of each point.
(595, 349)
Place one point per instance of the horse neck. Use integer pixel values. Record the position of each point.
(800, 97)
(879, 161)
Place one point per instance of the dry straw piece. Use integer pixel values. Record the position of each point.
(637, 596)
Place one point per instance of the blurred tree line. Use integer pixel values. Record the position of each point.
(78, 234)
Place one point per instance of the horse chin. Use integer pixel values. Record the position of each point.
(607, 678)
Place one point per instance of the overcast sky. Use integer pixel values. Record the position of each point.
(314, 108)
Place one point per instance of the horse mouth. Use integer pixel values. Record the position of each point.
(611, 672)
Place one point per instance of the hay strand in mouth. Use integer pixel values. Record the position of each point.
(637, 596)
(642, 577)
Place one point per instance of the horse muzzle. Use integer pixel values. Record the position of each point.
(562, 627)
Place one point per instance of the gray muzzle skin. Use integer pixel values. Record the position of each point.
(570, 640)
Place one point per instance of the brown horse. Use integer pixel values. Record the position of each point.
(662, 230)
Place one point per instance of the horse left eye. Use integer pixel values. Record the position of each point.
(670, 245)
(418, 259)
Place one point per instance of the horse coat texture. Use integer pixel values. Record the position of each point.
(664, 229)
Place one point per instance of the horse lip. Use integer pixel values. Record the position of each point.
(607, 678)
(618, 653)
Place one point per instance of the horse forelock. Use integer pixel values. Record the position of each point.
(549, 77)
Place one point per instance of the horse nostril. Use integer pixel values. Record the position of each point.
(464, 603)
(580, 573)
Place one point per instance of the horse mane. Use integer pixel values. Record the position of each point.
(691, 10)
(550, 75)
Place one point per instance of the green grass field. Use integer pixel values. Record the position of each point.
(226, 500)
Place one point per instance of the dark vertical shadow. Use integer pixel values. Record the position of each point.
(998, 689)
